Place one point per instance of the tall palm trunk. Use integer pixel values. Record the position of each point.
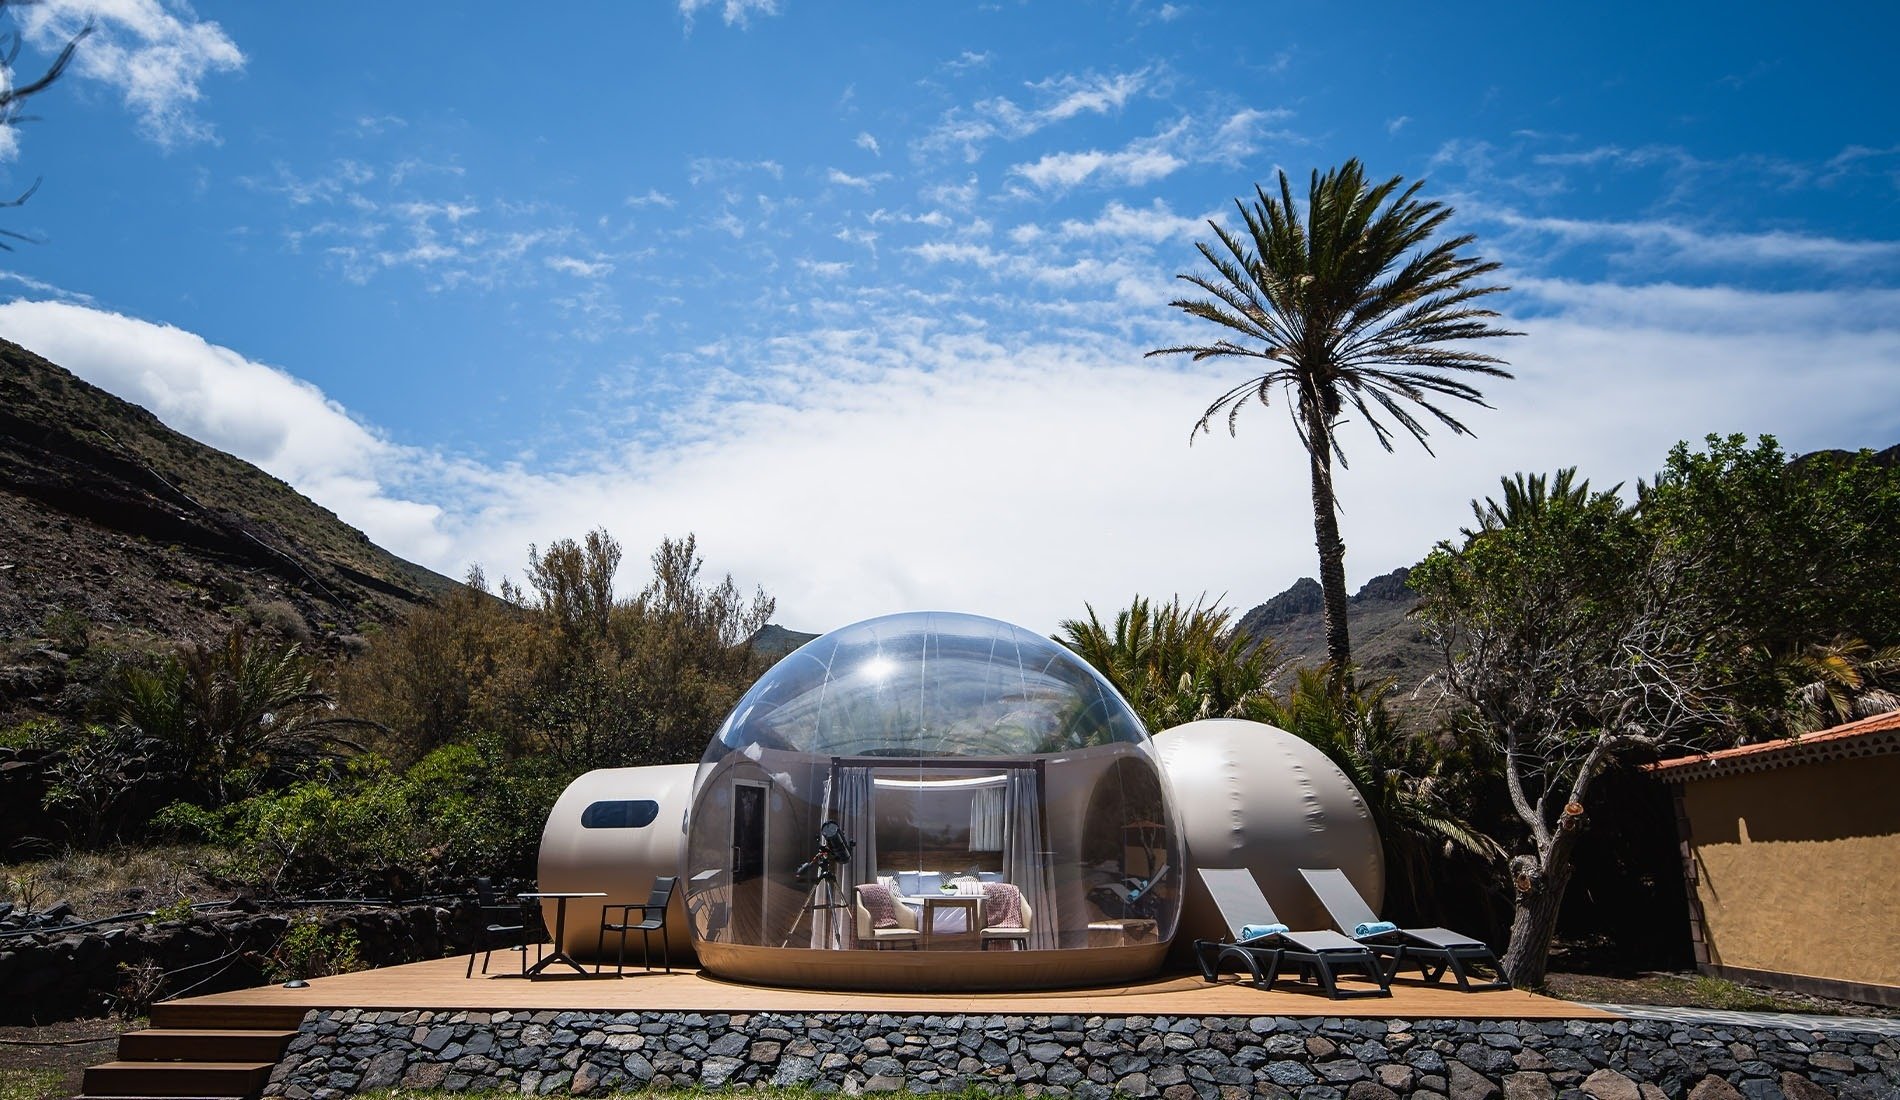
(1332, 550)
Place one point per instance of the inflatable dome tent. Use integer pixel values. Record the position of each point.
(1001, 792)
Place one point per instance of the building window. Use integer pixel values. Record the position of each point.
(630, 814)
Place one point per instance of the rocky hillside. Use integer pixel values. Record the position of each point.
(118, 534)
(1384, 641)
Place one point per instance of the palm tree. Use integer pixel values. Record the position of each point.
(1354, 307)
(1174, 663)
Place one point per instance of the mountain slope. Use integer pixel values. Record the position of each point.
(116, 529)
(1385, 642)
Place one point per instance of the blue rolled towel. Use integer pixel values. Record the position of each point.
(1372, 928)
(1255, 931)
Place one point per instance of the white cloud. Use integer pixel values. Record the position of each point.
(862, 183)
(866, 141)
(1061, 171)
(901, 461)
(653, 197)
(968, 59)
(935, 252)
(1154, 223)
(709, 169)
(735, 13)
(1100, 95)
(256, 412)
(825, 269)
(1394, 125)
(1062, 97)
(155, 59)
(574, 265)
(1687, 245)
(1240, 135)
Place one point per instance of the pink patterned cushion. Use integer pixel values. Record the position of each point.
(877, 902)
(1002, 905)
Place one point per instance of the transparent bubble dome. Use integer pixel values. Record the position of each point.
(929, 684)
(983, 790)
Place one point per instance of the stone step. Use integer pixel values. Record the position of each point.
(175, 1079)
(203, 1045)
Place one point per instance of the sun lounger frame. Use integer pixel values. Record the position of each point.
(1319, 956)
(1434, 950)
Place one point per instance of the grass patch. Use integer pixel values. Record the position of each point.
(99, 884)
(1697, 991)
(32, 1084)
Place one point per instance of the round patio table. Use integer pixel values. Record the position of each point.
(559, 954)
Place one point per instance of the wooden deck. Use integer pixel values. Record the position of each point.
(440, 985)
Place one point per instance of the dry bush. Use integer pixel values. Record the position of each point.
(100, 884)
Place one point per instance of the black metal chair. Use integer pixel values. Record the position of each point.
(501, 923)
(652, 919)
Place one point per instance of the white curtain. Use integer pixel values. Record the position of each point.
(1025, 863)
(849, 801)
(986, 820)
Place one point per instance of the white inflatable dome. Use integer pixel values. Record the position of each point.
(1255, 796)
(616, 830)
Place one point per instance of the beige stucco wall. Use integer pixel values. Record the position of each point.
(1799, 868)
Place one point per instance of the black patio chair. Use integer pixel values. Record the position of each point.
(1434, 950)
(1320, 956)
(502, 924)
(652, 919)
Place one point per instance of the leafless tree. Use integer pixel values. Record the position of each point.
(13, 96)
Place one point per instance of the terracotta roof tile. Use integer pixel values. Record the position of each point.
(1868, 736)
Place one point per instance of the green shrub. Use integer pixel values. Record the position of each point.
(174, 911)
(307, 951)
(462, 810)
(32, 733)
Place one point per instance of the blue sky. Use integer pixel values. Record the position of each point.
(859, 292)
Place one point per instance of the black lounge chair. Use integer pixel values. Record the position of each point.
(1435, 950)
(1320, 956)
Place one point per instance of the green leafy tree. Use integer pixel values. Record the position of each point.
(1575, 634)
(646, 679)
(1356, 307)
(462, 667)
(1791, 557)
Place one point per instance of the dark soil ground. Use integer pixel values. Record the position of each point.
(49, 1062)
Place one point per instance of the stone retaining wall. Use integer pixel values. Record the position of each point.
(60, 975)
(1085, 1057)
